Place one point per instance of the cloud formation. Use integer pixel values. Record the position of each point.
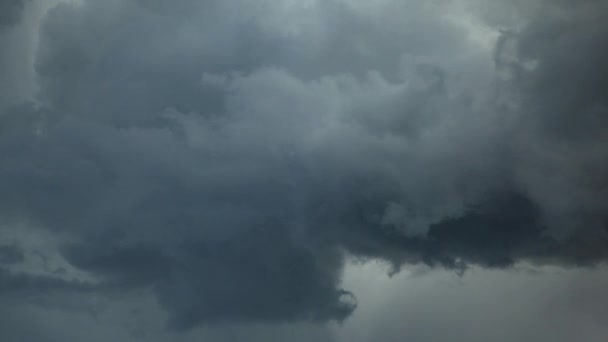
(10, 12)
(227, 155)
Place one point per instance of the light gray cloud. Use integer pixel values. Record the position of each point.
(547, 304)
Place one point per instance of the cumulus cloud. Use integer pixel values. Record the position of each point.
(228, 155)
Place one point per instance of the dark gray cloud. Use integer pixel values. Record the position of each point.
(18, 34)
(561, 89)
(226, 155)
(10, 254)
(10, 12)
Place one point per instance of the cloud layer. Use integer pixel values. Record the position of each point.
(227, 155)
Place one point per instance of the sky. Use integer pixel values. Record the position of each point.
(313, 170)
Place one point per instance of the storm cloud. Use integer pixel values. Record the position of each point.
(229, 156)
(11, 11)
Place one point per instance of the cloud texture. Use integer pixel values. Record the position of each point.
(228, 155)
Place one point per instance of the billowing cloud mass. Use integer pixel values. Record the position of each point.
(228, 156)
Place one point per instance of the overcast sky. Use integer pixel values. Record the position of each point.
(303, 170)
